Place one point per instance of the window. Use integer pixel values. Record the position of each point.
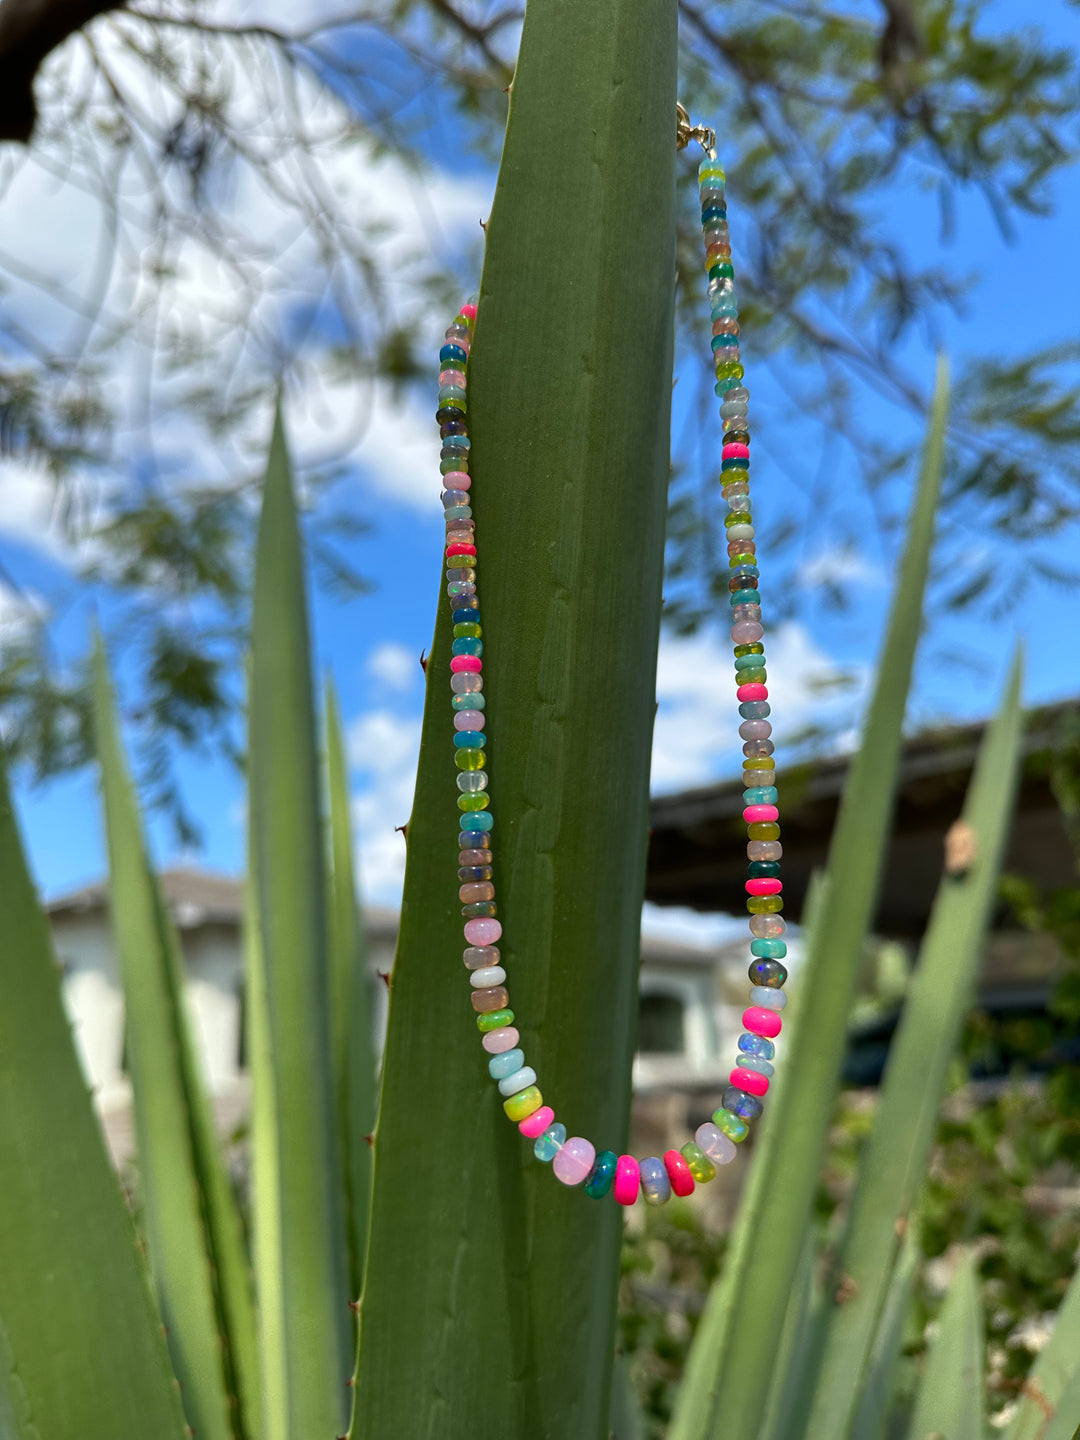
(661, 1024)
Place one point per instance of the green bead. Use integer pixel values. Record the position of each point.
(752, 677)
(730, 370)
(758, 762)
(737, 560)
(602, 1176)
(733, 1126)
(470, 759)
(494, 1020)
(764, 830)
(765, 904)
(473, 802)
(467, 631)
(763, 870)
(445, 466)
(738, 517)
(726, 271)
(699, 1164)
(479, 910)
(755, 649)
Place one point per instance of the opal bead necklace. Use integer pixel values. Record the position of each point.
(576, 1160)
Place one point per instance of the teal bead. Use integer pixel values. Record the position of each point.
(755, 1063)
(550, 1142)
(602, 1175)
(458, 512)
(503, 1065)
(469, 740)
(745, 597)
(763, 869)
(749, 662)
(760, 795)
(480, 820)
(768, 949)
(474, 700)
(468, 646)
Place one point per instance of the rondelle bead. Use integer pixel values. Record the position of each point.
(494, 997)
(768, 949)
(498, 1042)
(550, 1142)
(520, 1106)
(476, 890)
(469, 720)
(655, 1185)
(479, 910)
(627, 1180)
(466, 665)
(767, 927)
(768, 997)
(469, 740)
(757, 1045)
(744, 692)
(484, 820)
(466, 759)
(767, 973)
(763, 886)
(764, 904)
(494, 1020)
(752, 1062)
(602, 1175)
(746, 630)
(490, 975)
(733, 1126)
(760, 814)
(537, 1122)
(741, 1103)
(760, 1021)
(483, 932)
(517, 1082)
(574, 1161)
(506, 1064)
(679, 1173)
(718, 1146)
(481, 957)
(750, 1080)
(700, 1166)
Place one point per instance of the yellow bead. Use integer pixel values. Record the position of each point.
(520, 1106)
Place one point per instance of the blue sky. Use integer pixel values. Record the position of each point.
(372, 645)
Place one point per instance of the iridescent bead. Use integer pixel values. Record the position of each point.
(768, 997)
(769, 949)
(760, 794)
(471, 700)
(699, 1164)
(490, 975)
(574, 1161)
(741, 1103)
(751, 1044)
(550, 1142)
(476, 890)
(479, 957)
(497, 1042)
(482, 932)
(471, 782)
(479, 910)
(495, 1020)
(466, 683)
(475, 872)
(469, 740)
(525, 1103)
(757, 750)
(602, 1175)
(520, 1080)
(759, 1066)
(719, 1138)
(505, 1064)
(494, 997)
(655, 1185)
(768, 973)
(468, 720)
(458, 512)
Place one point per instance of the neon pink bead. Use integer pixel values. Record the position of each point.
(466, 663)
(456, 480)
(627, 1180)
(735, 452)
(753, 814)
(753, 887)
(753, 691)
(682, 1182)
(749, 1080)
(756, 1019)
(497, 1042)
(459, 547)
(469, 311)
(486, 932)
(537, 1122)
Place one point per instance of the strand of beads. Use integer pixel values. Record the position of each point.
(742, 1100)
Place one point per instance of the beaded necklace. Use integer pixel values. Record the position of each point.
(576, 1161)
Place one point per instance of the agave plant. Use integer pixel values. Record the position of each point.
(409, 1271)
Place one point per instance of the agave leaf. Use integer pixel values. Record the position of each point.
(80, 1336)
(302, 1289)
(727, 1380)
(496, 1315)
(627, 1418)
(894, 1162)
(872, 1411)
(797, 1351)
(1053, 1376)
(354, 1053)
(951, 1399)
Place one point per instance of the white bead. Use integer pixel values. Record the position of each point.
(489, 975)
(767, 997)
(720, 1148)
(740, 532)
(520, 1080)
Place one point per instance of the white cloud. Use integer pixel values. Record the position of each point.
(396, 667)
(846, 567)
(383, 746)
(696, 729)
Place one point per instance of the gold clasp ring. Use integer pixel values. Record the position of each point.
(685, 132)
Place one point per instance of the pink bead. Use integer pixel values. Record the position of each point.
(627, 1180)
(474, 720)
(747, 632)
(485, 932)
(497, 1042)
(456, 480)
(764, 887)
(460, 547)
(452, 377)
(469, 311)
(735, 452)
(753, 814)
(753, 691)
(682, 1182)
(537, 1122)
(574, 1161)
(749, 1080)
(466, 663)
(760, 1021)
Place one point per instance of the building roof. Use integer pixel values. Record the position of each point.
(697, 859)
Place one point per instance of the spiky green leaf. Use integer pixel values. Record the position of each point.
(951, 1401)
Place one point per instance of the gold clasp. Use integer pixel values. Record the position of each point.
(685, 132)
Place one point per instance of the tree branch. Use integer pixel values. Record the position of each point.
(29, 30)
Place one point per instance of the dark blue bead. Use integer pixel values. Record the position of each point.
(713, 212)
(473, 839)
(735, 462)
(453, 352)
(466, 617)
(756, 1045)
(742, 1103)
